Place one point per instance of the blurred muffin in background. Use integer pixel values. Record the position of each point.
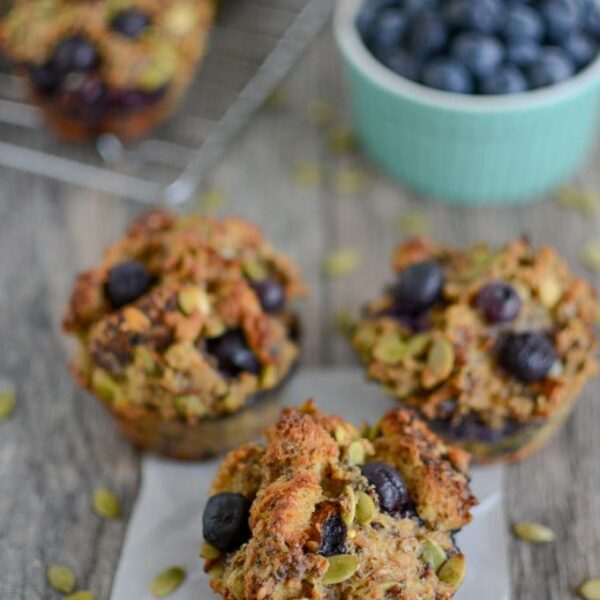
(115, 66)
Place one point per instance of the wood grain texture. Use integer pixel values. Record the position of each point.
(60, 445)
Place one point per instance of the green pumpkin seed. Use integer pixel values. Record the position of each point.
(417, 344)
(341, 567)
(144, 356)
(167, 582)
(342, 263)
(356, 453)
(209, 552)
(388, 585)
(308, 174)
(269, 377)
(211, 200)
(440, 359)
(590, 589)
(61, 578)
(8, 402)
(192, 299)
(161, 68)
(340, 434)
(254, 270)
(105, 386)
(413, 223)
(590, 255)
(453, 571)
(350, 181)
(365, 508)
(344, 322)
(364, 339)
(433, 554)
(80, 595)
(348, 509)
(106, 504)
(535, 533)
(389, 350)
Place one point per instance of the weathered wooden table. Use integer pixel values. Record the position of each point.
(59, 445)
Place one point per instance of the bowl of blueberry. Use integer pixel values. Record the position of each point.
(474, 101)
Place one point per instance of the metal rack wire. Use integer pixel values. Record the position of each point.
(254, 44)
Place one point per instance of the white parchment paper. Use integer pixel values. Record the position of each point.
(166, 525)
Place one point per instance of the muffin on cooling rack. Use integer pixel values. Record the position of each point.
(186, 332)
(321, 512)
(118, 66)
(491, 346)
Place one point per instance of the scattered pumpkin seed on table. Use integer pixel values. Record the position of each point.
(590, 255)
(80, 595)
(413, 223)
(211, 200)
(8, 403)
(308, 174)
(341, 140)
(167, 582)
(350, 181)
(590, 589)
(578, 199)
(342, 263)
(61, 578)
(341, 567)
(344, 322)
(106, 504)
(536, 533)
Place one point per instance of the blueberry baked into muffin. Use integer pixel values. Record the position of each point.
(321, 512)
(118, 66)
(186, 332)
(491, 346)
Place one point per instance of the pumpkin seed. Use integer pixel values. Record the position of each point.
(349, 181)
(413, 223)
(341, 141)
(389, 350)
(590, 589)
(550, 292)
(211, 200)
(356, 453)
(590, 255)
(535, 533)
(61, 578)
(342, 263)
(433, 554)
(104, 385)
(191, 299)
(364, 339)
(106, 504)
(8, 402)
(344, 322)
(578, 199)
(348, 508)
(440, 359)
(269, 377)
(453, 571)
(341, 567)
(340, 434)
(161, 67)
(365, 508)
(417, 344)
(80, 595)
(209, 552)
(308, 174)
(144, 356)
(255, 270)
(167, 582)
(217, 571)
(388, 585)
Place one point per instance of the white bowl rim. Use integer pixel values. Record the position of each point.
(355, 50)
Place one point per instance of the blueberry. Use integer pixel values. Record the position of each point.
(391, 26)
(333, 536)
(225, 521)
(523, 22)
(553, 66)
(367, 18)
(592, 20)
(562, 17)
(132, 99)
(127, 282)
(233, 354)
(429, 35)
(271, 295)
(522, 53)
(479, 52)
(389, 485)
(499, 302)
(130, 22)
(45, 79)
(527, 356)
(581, 48)
(506, 80)
(84, 90)
(449, 75)
(414, 7)
(402, 63)
(479, 15)
(75, 53)
(418, 287)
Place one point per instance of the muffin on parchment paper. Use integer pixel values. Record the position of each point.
(116, 66)
(186, 332)
(320, 512)
(491, 346)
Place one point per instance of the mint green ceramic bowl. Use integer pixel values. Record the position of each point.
(468, 149)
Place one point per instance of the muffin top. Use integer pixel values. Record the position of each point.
(484, 338)
(141, 45)
(187, 317)
(322, 512)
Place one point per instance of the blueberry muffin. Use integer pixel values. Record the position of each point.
(118, 66)
(185, 332)
(491, 346)
(322, 512)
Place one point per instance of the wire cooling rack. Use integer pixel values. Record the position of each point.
(253, 46)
